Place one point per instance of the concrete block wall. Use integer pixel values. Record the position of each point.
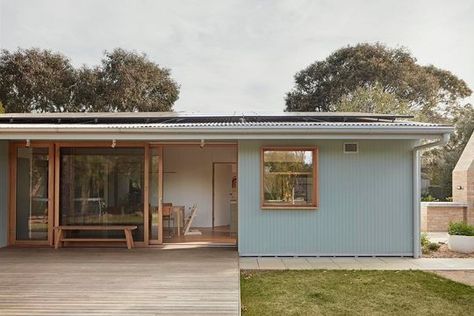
(463, 191)
(436, 216)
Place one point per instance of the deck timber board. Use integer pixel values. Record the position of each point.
(80, 281)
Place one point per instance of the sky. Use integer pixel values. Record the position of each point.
(240, 55)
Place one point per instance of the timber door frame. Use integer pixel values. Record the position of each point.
(13, 156)
(102, 144)
(160, 192)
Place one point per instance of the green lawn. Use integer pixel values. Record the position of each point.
(332, 292)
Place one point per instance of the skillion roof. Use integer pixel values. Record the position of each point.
(220, 126)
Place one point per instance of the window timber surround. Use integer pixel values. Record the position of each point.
(315, 175)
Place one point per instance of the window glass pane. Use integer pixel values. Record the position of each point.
(288, 177)
(154, 193)
(102, 186)
(32, 194)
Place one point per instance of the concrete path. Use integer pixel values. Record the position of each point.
(438, 237)
(466, 277)
(203, 281)
(382, 263)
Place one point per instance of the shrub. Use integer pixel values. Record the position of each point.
(424, 240)
(426, 245)
(432, 246)
(461, 229)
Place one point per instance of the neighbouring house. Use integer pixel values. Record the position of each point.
(463, 180)
(436, 216)
(322, 184)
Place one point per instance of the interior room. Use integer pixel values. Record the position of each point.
(200, 194)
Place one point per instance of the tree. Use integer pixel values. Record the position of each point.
(425, 89)
(371, 99)
(126, 81)
(375, 78)
(33, 80)
(439, 163)
(88, 91)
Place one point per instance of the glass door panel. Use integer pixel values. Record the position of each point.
(102, 186)
(32, 194)
(156, 233)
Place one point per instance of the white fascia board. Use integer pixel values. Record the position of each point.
(147, 133)
(190, 136)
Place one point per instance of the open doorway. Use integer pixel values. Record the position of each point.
(224, 194)
(200, 194)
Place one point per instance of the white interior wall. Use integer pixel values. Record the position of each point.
(222, 193)
(187, 177)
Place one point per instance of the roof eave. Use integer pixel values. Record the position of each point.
(147, 133)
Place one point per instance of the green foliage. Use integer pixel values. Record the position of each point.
(377, 79)
(428, 198)
(285, 171)
(35, 80)
(425, 90)
(432, 246)
(424, 240)
(371, 99)
(2, 109)
(426, 245)
(461, 229)
(439, 163)
(127, 81)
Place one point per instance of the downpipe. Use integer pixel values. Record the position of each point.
(417, 189)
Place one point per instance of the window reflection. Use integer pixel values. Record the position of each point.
(32, 194)
(154, 193)
(288, 177)
(102, 186)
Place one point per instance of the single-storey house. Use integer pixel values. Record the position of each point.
(290, 184)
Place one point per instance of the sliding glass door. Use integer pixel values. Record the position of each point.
(85, 184)
(155, 196)
(32, 202)
(102, 186)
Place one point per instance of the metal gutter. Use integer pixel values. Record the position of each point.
(198, 136)
(443, 140)
(219, 132)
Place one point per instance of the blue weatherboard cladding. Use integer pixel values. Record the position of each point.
(365, 202)
(4, 191)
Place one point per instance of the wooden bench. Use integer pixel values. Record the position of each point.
(126, 229)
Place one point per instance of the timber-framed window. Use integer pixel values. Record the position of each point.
(289, 177)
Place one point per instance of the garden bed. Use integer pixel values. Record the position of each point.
(444, 252)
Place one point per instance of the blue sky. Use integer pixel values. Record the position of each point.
(240, 55)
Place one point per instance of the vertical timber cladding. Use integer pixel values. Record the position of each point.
(4, 192)
(365, 202)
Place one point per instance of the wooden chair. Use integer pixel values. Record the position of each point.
(189, 221)
(168, 215)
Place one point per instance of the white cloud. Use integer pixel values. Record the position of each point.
(240, 55)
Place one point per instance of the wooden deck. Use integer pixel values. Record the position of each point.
(119, 281)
